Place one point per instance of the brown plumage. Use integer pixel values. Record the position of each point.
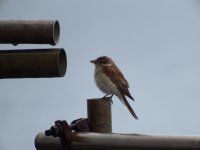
(111, 81)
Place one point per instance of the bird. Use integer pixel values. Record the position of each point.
(110, 80)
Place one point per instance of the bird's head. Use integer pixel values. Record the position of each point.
(102, 61)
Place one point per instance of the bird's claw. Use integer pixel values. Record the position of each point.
(109, 98)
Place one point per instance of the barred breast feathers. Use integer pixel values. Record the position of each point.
(104, 83)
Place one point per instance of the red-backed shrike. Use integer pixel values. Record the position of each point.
(110, 80)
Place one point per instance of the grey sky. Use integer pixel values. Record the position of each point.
(155, 43)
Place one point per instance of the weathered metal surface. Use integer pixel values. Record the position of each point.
(43, 142)
(29, 31)
(95, 141)
(106, 141)
(33, 63)
(99, 115)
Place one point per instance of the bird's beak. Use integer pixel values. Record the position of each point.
(92, 61)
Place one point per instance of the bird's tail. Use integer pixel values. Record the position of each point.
(125, 102)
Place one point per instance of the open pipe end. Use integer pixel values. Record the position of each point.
(29, 31)
(62, 65)
(56, 32)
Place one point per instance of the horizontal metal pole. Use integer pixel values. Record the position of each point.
(29, 31)
(100, 141)
(33, 63)
(43, 142)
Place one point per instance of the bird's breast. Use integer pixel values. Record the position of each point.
(104, 83)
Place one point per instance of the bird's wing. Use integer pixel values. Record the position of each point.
(117, 77)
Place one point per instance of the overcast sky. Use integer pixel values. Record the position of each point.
(156, 44)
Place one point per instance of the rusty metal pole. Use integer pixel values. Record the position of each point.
(105, 141)
(99, 115)
(96, 141)
(43, 142)
(29, 31)
(33, 63)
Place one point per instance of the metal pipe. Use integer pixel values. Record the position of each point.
(33, 63)
(99, 141)
(96, 141)
(43, 142)
(99, 115)
(29, 32)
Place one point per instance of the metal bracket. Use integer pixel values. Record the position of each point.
(80, 125)
(61, 129)
(64, 131)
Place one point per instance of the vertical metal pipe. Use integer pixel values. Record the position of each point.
(33, 63)
(99, 115)
(29, 31)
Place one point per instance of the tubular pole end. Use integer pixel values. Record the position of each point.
(33, 63)
(43, 142)
(62, 64)
(56, 32)
(99, 115)
(107, 99)
(29, 32)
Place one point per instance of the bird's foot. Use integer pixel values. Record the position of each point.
(105, 96)
(109, 98)
(111, 101)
